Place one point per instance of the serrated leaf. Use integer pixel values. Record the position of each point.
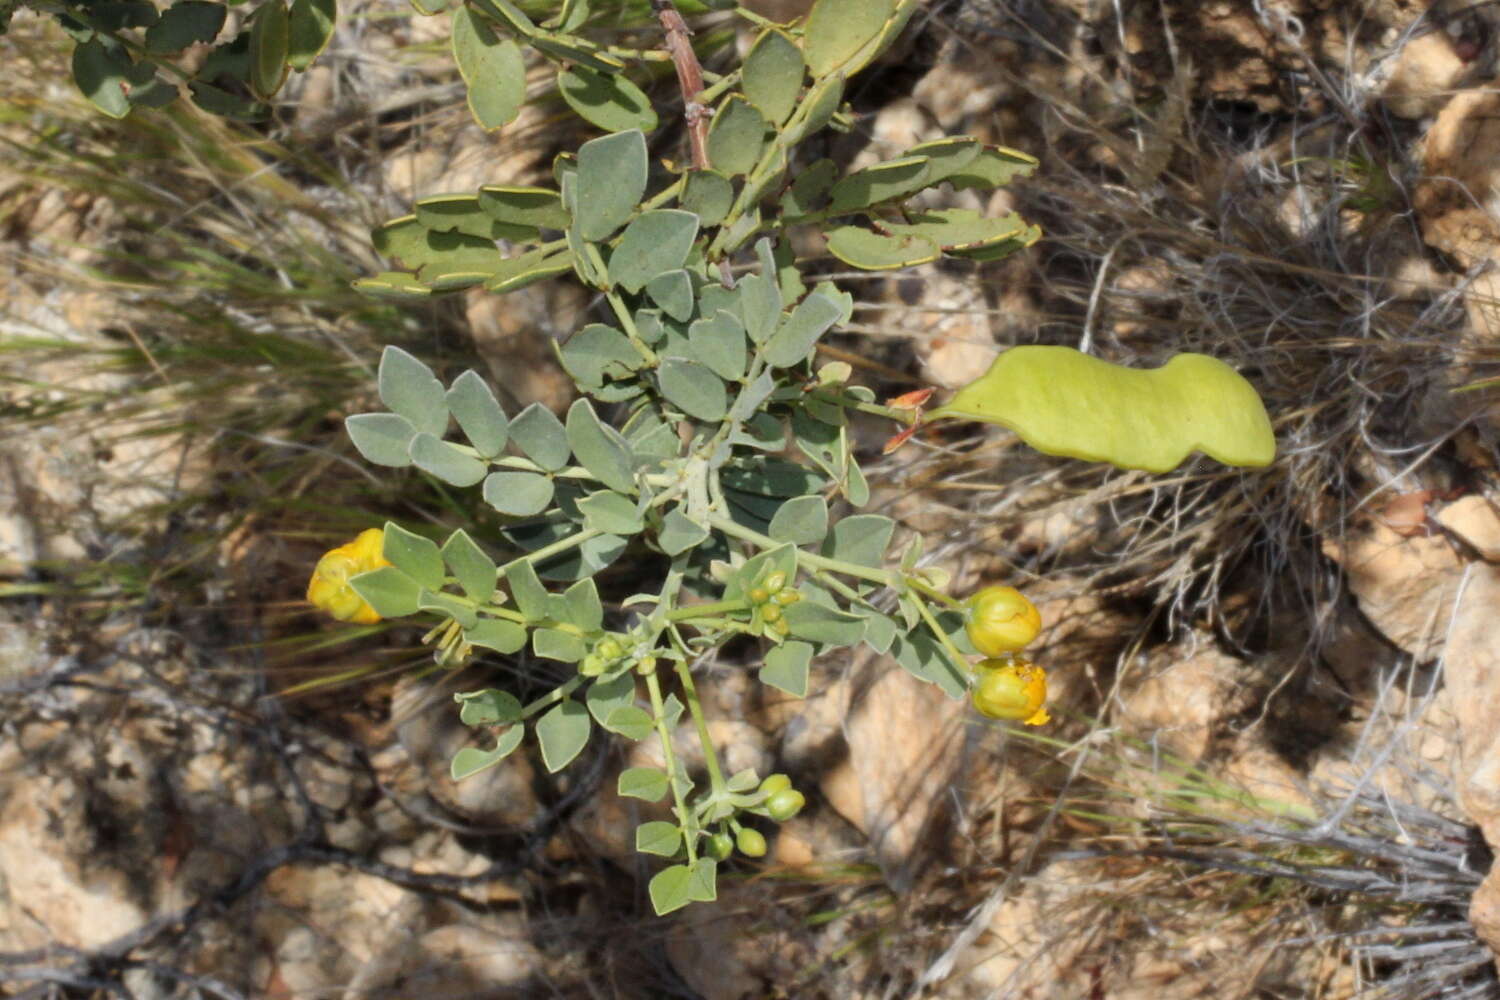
(608, 101)
(679, 533)
(409, 388)
(772, 75)
(654, 243)
(871, 251)
(389, 591)
(527, 590)
(801, 521)
(610, 181)
(382, 438)
(488, 707)
(414, 555)
(736, 137)
(673, 291)
(787, 666)
(479, 415)
(518, 494)
(103, 75)
(1063, 402)
(442, 460)
(309, 27)
(718, 341)
(657, 837)
(472, 567)
(501, 636)
(471, 760)
(541, 436)
(599, 448)
(563, 733)
(187, 22)
(611, 512)
(492, 68)
(644, 783)
(795, 338)
(270, 35)
(690, 386)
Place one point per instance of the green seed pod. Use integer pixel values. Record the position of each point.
(720, 845)
(785, 804)
(646, 666)
(775, 581)
(751, 843)
(775, 783)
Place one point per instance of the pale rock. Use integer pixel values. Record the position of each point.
(905, 742)
(514, 334)
(1025, 950)
(1473, 519)
(1274, 784)
(458, 959)
(1405, 586)
(1180, 702)
(1132, 294)
(1424, 77)
(1471, 671)
(714, 948)
(1484, 910)
(963, 86)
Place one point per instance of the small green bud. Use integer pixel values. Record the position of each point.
(771, 613)
(785, 804)
(610, 649)
(752, 843)
(646, 666)
(775, 581)
(781, 627)
(787, 596)
(775, 783)
(759, 595)
(720, 845)
(592, 665)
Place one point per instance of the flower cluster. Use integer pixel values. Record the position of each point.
(1001, 623)
(329, 587)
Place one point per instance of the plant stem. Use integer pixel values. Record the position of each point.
(689, 77)
(628, 322)
(736, 530)
(710, 754)
(669, 757)
(548, 551)
(958, 658)
(556, 694)
(933, 592)
(706, 610)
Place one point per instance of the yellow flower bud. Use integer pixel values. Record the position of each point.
(1001, 620)
(329, 587)
(1012, 688)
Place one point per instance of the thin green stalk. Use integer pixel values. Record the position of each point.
(706, 610)
(556, 694)
(669, 757)
(736, 530)
(710, 754)
(628, 322)
(959, 660)
(933, 592)
(548, 551)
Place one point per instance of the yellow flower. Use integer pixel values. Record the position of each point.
(329, 587)
(1001, 620)
(1012, 687)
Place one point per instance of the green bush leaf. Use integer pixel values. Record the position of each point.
(600, 449)
(598, 354)
(693, 388)
(811, 620)
(821, 104)
(645, 783)
(488, 707)
(801, 521)
(709, 195)
(993, 167)
(389, 591)
(772, 75)
(414, 555)
(448, 606)
(837, 29)
(471, 760)
(860, 539)
(794, 340)
(736, 136)
(718, 341)
(187, 22)
(679, 533)
(270, 36)
(492, 69)
(869, 251)
(310, 26)
(409, 388)
(501, 636)
(103, 75)
(673, 291)
(518, 494)
(655, 242)
(479, 415)
(563, 733)
(584, 609)
(923, 656)
(537, 432)
(397, 286)
(611, 512)
(1063, 402)
(471, 565)
(555, 644)
(442, 460)
(787, 667)
(606, 100)
(609, 184)
(959, 229)
(524, 206)
(527, 590)
(382, 438)
(880, 631)
(661, 839)
(462, 213)
(630, 722)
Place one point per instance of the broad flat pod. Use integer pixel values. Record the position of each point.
(1063, 402)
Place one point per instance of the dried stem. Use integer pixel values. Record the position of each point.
(689, 77)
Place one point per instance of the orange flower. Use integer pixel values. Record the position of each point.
(329, 587)
(1012, 687)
